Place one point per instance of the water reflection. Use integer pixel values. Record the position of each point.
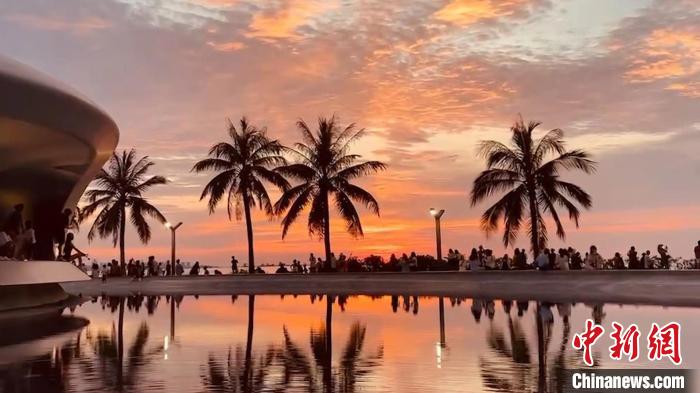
(37, 347)
(287, 366)
(296, 343)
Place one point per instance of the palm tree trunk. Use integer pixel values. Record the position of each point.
(249, 229)
(327, 231)
(541, 353)
(534, 222)
(247, 372)
(120, 346)
(122, 230)
(328, 361)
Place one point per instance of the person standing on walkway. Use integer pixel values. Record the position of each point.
(474, 261)
(542, 260)
(562, 262)
(179, 270)
(234, 265)
(59, 232)
(697, 255)
(633, 259)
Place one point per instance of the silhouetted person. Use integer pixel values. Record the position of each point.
(282, 268)
(562, 262)
(234, 265)
(24, 245)
(618, 263)
(195, 269)
(6, 245)
(15, 224)
(542, 260)
(594, 261)
(576, 261)
(633, 259)
(70, 252)
(61, 225)
(664, 256)
(474, 260)
(179, 269)
(259, 270)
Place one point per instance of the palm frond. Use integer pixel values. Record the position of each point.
(349, 214)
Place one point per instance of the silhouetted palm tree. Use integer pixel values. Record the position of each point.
(326, 168)
(120, 187)
(243, 165)
(530, 183)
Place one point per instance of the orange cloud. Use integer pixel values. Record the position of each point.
(467, 12)
(667, 54)
(689, 89)
(226, 46)
(283, 22)
(81, 26)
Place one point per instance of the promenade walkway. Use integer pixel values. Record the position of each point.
(671, 288)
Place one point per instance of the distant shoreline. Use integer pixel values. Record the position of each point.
(666, 288)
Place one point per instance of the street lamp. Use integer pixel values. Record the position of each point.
(437, 214)
(172, 228)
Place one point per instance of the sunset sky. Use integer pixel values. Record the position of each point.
(428, 79)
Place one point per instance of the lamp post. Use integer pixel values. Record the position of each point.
(438, 239)
(172, 228)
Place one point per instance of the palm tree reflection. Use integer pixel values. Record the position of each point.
(113, 369)
(288, 366)
(509, 367)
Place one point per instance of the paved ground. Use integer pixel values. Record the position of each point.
(672, 288)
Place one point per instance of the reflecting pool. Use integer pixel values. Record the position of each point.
(316, 344)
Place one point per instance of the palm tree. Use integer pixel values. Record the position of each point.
(243, 165)
(326, 168)
(531, 184)
(117, 188)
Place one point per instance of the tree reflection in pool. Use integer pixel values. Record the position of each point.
(286, 343)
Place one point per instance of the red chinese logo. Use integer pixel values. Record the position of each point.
(665, 342)
(586, 340)
(662, 342)
(626, 342)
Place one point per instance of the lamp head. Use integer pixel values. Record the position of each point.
(168, 225)
(437, 213)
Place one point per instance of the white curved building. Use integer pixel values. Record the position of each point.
(53, 141)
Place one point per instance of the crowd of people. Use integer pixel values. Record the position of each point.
(18, 237)
(569, 259)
